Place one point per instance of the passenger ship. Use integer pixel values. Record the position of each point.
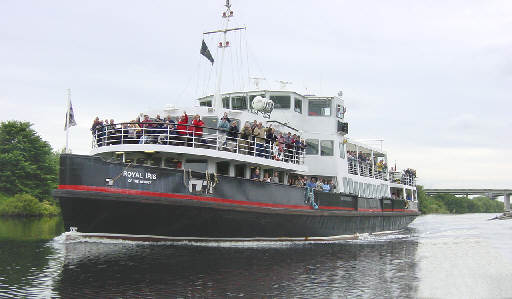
(160, 183)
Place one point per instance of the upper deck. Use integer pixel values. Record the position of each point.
(317, 124)
(173, 140)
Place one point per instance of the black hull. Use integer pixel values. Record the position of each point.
(238, 208)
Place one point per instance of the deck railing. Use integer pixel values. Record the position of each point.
(210, 138)
(365, 169)
(402, 178)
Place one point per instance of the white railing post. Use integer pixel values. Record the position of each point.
(193, 137)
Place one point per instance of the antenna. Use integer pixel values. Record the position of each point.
(227, 15)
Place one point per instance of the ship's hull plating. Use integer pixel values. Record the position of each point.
(237, 208)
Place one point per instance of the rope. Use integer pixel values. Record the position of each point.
(121, 173)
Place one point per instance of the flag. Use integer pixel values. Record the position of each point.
(205, 52)
(70, 117)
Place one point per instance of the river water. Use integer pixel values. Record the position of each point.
(440, 256)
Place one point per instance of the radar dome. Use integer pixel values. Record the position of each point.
(262, 105)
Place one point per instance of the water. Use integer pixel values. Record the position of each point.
(463, 256)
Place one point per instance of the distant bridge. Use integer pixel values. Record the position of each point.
(491, 193)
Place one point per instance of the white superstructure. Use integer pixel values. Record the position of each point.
(354, 168)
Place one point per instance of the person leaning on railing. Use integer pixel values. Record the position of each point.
(182, 129)
(259, 139)
(288, 143)
(112, 133)
(245, 136)
(197, 129)
(233, 136)
(94, 130)
(133, 131)
(294, 149)
(223, 128)
(270, 140)
(168, 131)
(101, 133)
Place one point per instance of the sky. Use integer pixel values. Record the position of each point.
(431, 78)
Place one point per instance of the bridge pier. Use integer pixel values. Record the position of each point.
(506, 201)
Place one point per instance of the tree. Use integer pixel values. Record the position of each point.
(429, 205)
(28, 164)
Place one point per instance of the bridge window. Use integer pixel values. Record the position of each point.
(239, 103)
(281, 102)
(326, 148)
(319, 107)
(205, 103)
(298, 105)
(225, 102)
(311, 146)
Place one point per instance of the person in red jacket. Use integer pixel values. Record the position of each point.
(182, 128)
(196, 130)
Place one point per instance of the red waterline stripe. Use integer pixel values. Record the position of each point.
(179, 196)
(209, 199)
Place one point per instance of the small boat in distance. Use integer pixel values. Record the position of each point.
(256, 164)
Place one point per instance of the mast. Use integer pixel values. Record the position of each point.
(227, 15)
(67, 120)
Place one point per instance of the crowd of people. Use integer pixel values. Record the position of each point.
(409, 172)
(255, 139)
(252, 139)
(324, 185)
(364, 160)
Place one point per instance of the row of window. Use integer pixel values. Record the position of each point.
(324, 147)
(317, 107)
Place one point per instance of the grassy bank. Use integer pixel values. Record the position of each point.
(451, 204)
(26, 205)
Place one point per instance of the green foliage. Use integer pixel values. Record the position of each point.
(448, 203)
(26, 205)
(428, 205)
(28, 163)
(487, 205)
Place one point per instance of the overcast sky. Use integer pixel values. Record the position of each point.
(431, 78)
